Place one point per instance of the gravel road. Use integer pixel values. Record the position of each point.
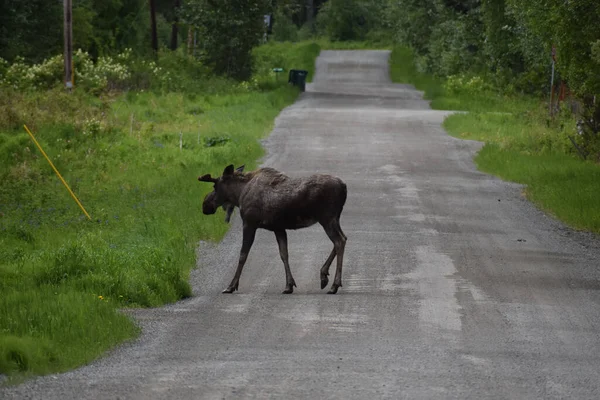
(454, 285)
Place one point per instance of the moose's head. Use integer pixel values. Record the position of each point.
(223, 194)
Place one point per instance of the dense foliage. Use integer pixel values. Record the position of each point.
(34, 29)
(229, 30)
(499, 45)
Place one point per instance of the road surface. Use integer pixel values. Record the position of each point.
(454, 285)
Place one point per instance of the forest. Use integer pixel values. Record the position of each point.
(507, 45)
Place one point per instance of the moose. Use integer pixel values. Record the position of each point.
(271, 200)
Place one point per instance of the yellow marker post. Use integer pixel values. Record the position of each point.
(57, 173)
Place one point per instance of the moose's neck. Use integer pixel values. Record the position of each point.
(235, 189)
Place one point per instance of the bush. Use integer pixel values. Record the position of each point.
(284, 30)
(457, 84)
(21, 76)
(173, 71)
(452, 48)
(587, 137)
(306, 32)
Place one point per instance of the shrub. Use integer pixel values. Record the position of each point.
(108, 73)
(284, 30)
(456, 84)
(21, 76)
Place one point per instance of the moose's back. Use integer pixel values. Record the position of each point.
(276, 201)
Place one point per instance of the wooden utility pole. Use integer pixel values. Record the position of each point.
(153, 25)
(552, 82)
(174, 25)
(68, 29)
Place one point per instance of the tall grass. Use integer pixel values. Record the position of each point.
(132, 159)
(522, 144)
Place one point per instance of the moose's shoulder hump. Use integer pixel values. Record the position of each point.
(269, 176)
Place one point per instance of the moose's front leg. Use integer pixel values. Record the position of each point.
(249, 234)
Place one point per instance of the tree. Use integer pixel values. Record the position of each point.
(571, 26)
(31, 29)
(174, 32)
(229, 29)
(501, 48)
(345, 19)
(153, 28)
(412, 22)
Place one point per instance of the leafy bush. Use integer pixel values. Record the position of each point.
(21, 76)
(284, 29)
(454, 46)
(107, 73)
(456, 84)
(306, 32)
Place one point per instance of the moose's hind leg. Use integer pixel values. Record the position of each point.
(281, 237)
(325, 269)
(334, 231)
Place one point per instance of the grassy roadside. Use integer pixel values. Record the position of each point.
(327, 44)
(521, 146)
(63, 278)
(287, 56)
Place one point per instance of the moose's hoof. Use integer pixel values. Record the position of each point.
(229, 290)
(289, 288)
(333, 290)
(324, 282)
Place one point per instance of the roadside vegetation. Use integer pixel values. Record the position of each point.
(522, 143)
(131, 141)
(148, 116)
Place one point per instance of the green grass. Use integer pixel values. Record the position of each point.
(404, 70)
(286, 55)
(327, 44)
(521, 144)
(558, 183)
(64, 278)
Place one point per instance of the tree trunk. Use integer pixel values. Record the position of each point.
(176, 6)
(153, 25)
(68, 32)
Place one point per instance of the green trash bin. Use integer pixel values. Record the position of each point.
(297, 77)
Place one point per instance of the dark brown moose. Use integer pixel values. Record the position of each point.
(271, 200)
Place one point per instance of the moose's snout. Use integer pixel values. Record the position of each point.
(208, 206)
(208, 209)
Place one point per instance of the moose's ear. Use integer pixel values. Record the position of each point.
(206, 178)
(228, 170)
(240, 169)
